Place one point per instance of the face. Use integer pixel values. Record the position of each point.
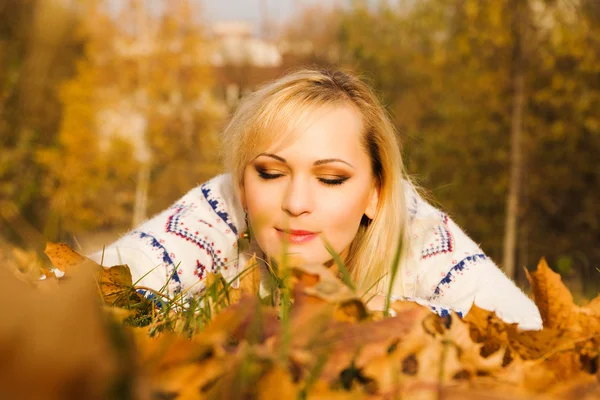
(319, 185)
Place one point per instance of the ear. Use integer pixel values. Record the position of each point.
(373, 202)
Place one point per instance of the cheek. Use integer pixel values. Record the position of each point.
(343, 216)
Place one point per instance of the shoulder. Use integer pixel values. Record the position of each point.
(219, 195)
(440, 252)
(447, 270)
(196, 235)
(437, 248)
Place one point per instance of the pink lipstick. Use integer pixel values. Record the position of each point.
(297, 236)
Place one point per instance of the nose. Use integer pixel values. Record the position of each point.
(298, 198)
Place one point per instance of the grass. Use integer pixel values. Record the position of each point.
(189, 313)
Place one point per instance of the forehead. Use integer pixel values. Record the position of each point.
(326, 132)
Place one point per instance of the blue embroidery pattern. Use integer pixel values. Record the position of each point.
(443, 311)
(215, 204)
(457, 269)
(444, 242)
(175, 226)
(166, 258)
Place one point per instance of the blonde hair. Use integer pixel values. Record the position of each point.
(275, 112)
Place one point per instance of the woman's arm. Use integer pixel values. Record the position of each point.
(449, 271)
(175, 250)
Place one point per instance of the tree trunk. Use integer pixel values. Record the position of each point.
(140, 210)
(516, 156)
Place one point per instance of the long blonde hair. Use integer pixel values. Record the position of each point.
(275, 112)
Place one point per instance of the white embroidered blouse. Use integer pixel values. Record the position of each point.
(445, 269)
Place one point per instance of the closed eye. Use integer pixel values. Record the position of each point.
(333, 182)
(326, 181)
(267, 176)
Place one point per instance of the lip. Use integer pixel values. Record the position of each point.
(297, 236)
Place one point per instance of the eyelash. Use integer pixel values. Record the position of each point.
(329, 182)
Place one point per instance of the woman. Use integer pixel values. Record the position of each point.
(313, 156)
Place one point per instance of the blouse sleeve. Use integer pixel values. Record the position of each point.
(174, 250)
(449, 271)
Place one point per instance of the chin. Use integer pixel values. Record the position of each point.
(313, 252)
(297, 255)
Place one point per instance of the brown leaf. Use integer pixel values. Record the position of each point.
(322, 390)
(67, 260)
(350, 311)
(57, 340)
(531, 345)
(115, 286)
(188, 380)
(243, 320)
(552, 297)
(475, 357)
(593, 306)
(588, 339)
(530, 376)
(364, 341)
(249, 281)
(583, 387)
(439, 359)
(326, 285)
(114, 283)
(277, 384)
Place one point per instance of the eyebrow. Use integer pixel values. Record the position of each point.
(316, 163)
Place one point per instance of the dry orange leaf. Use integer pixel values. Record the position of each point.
(115, 286)
(54, 345)
(326, 285)
(249, 281)
(414, 355)
(277, 383)
(552, 297)
(114, 283)
(65, 259)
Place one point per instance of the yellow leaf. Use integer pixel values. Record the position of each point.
(475, 357)
(65, 259)
(552, 297)
(188, 379)
(116, 286)
(326, 285)
(276, 384)
(593, 306)
(249, 281)
(114, 283)
(58, 339)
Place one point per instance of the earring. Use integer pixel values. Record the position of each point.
(246, 234)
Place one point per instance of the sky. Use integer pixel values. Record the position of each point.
(250, 10)
(211, 11)
(278, 11)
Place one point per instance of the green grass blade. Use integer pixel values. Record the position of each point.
(394, 270)
(346, 278)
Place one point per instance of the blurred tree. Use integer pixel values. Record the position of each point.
(311, 38)
(139, 123)
(442, 67)
(446, 71)
(37, 53)
(520, 21)
(563, 179)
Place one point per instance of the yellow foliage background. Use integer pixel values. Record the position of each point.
(107, 117)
